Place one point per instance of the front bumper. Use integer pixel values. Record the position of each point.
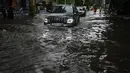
(82, 13)
(59, 24)
(60, 21)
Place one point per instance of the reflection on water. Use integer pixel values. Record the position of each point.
(108, 51)
(94, 46)
(118, 41)
(18, 47)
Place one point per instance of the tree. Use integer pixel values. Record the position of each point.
(61, 1)
(32, 7)
(87, 3)
(78, 2)
(65, 1)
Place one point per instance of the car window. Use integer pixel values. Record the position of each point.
(69, 8)
(62, 9)
(75, 9)
(80, 8)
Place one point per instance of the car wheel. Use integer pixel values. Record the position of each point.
(79, 20)
(76, 22)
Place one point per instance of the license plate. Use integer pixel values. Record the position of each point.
(57, 24)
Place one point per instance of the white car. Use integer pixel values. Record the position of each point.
(82, 10)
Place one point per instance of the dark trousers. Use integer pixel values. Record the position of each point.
(4, 14)
(10, 13)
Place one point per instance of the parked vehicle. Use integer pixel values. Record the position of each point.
(82, 10)
(63, 15)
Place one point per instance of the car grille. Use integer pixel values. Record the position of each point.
(56, 19)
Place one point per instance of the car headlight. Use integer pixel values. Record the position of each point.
(46, 20)
(83, 11)
(70, 20)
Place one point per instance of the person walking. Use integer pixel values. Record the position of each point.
(49, 7)
(10, 13)
(4, 14)
(100, 10)
(94, 9)
(38, 8)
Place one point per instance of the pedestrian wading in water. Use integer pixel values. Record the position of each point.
(7, 13)
(94, 9)
(10, 13)
(4, 14)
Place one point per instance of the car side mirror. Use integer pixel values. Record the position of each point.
(76, 12)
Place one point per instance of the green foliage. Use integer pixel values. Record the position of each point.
(67, 1)
(42, 7)
(78, 2)
(32, 10)
(61, 2)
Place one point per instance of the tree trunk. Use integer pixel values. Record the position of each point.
(78, 2)
(32, 7)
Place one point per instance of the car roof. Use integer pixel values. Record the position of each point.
(79, 7)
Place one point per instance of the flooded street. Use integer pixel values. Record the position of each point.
(98, 44)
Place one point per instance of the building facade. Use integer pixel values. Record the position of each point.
(16, 4)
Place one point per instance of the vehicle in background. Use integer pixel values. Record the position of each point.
(63, 15)
(82, 10)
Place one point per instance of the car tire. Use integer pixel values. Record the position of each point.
(77, 21)
(74, 24)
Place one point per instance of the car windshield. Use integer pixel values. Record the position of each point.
(62, 9)
(80, 8)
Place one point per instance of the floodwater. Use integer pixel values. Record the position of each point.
(99, 44)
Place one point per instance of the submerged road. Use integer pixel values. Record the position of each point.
(32, 47)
